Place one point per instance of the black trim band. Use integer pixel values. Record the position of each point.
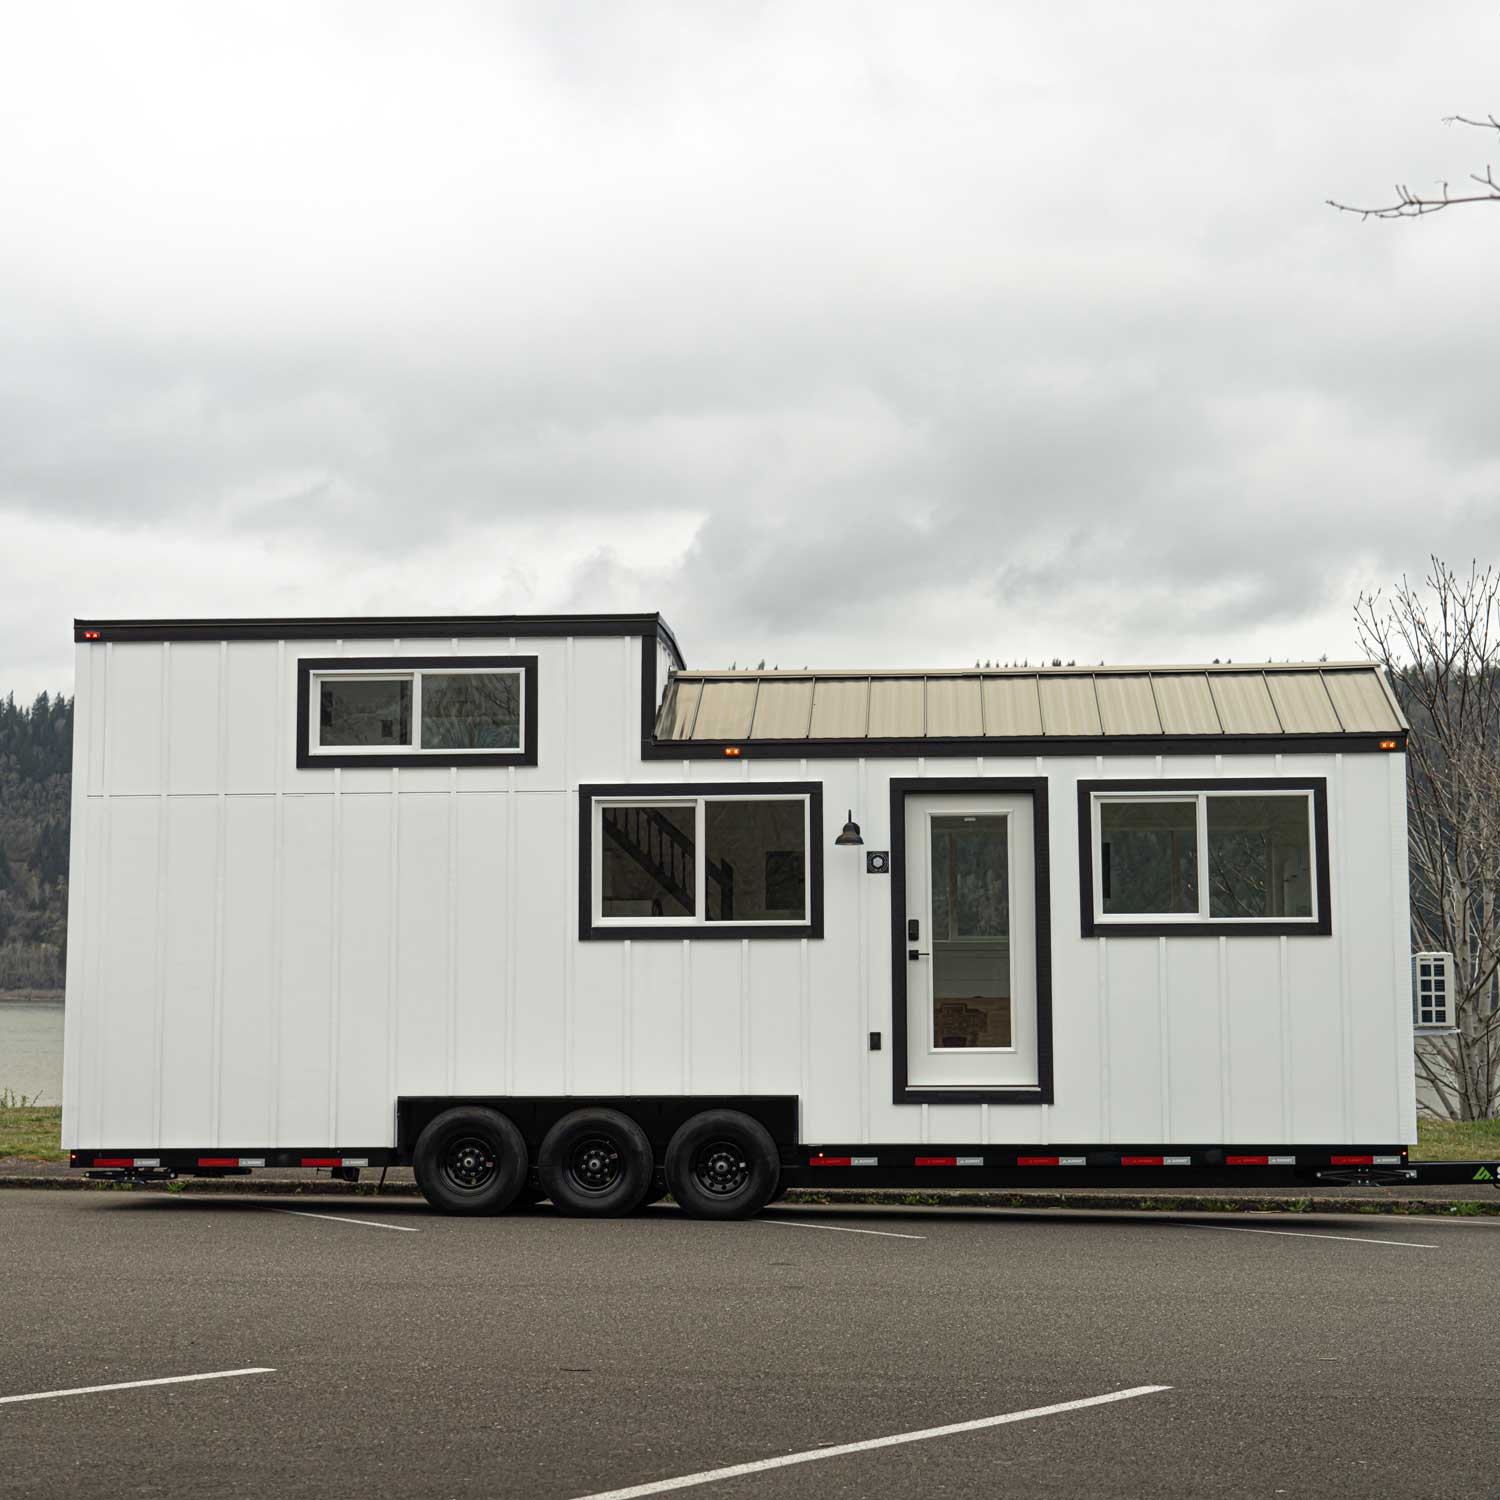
(379, 627)
(1208, 927)
(307, 665)
(902, 1092)
(693, 932)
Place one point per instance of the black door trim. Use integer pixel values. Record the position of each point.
(1036, 788)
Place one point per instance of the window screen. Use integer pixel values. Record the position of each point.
(1148, 858)
(471, 710)
(364, 711)
(1259, 857)
(756, 860)
(648, 862)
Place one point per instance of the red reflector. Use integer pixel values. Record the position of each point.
(322, 1161)
(114, 1161)
(1248, 1161)
(1036, 1161)
(829, 1161)
(1140, 1161)
(937, 1161)
(1352, 1161)
(218, 1161)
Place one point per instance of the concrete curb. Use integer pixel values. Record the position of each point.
(1226, 1203)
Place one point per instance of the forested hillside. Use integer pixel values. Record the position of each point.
(36, 757)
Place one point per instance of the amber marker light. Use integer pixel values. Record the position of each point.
(1387, 744)
(731, 750)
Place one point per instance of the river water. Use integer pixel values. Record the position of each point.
(31, 1049)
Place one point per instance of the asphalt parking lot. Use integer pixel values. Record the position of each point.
(359, 1349)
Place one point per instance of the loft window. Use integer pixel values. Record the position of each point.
(1175, 857)
(705, 862)
(417, 711)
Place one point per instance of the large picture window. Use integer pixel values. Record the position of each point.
(701, 861)
(416, 711)
(1163, 857)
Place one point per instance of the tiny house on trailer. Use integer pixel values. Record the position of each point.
(527, 904)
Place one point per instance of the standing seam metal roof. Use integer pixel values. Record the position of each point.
(1134, 702)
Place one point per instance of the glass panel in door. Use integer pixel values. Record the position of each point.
(969, 957)
(970, 929)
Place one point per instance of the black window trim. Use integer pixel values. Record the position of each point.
(309, 666)
(678, 932)
(1208, 927)
(902, 1091)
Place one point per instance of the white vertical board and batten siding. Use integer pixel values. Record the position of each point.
(294, 948)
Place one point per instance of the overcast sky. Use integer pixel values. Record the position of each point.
(841, 334)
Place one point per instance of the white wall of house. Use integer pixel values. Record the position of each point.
(266, 956)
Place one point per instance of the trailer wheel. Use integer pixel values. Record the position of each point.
(595, 1163)
(470, 1161)
(722, 1165)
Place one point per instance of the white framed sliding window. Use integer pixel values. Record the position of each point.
(416, 711)
(1242, 856)
(701, 861)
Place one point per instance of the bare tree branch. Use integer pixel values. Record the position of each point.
(1410, 205)
(1440, 646)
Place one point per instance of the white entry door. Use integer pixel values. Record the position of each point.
(971, 949)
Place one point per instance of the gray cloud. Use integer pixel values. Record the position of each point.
(839, 335)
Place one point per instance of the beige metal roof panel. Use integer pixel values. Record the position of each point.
(1068, 705)
(1243, 704)
(1302, 703)
(953, 707)
(1185, 703)
(840, 708)
(783, 709)
(1344, 697)
(1126, 705)
(678, 710)
(1011, 706)
(896, 708)
(1361, 702)
(725, 711)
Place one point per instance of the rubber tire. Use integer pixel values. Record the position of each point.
(502, 1137)
(752, 1139)
(628, 1190)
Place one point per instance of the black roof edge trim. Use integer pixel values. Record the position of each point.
(379, 627)
(1159, 744)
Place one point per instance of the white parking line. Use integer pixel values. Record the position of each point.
(1307, 1234)
(843, 1229)
(302, 1213)
(130, 1385)
(708, 1476)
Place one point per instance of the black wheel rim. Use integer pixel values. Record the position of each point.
(470, 1163)
(595, 1164)
(721, 1168)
